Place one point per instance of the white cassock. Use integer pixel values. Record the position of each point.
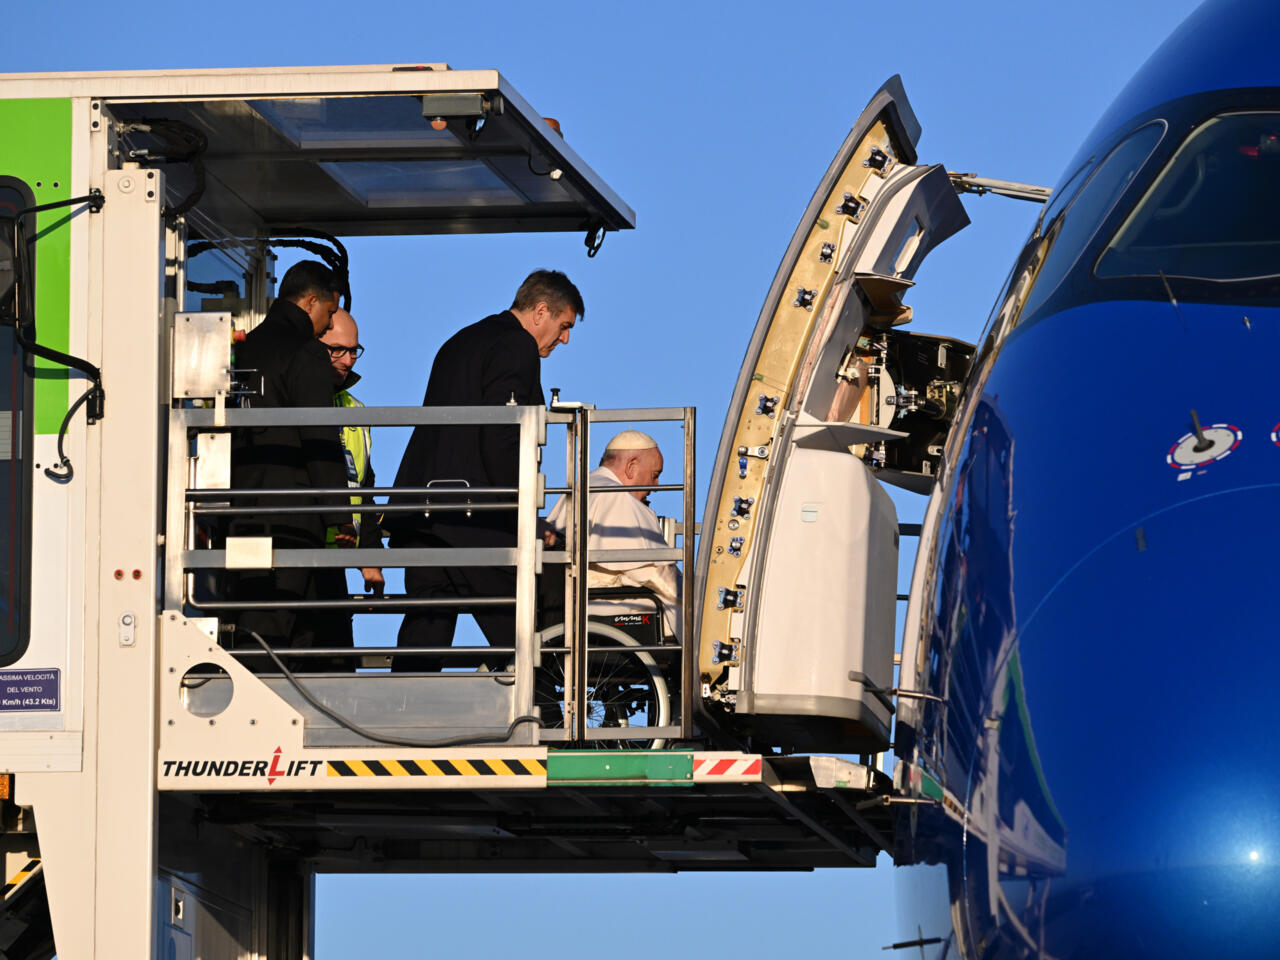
(620, 521)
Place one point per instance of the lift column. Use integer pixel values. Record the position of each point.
(97, 827)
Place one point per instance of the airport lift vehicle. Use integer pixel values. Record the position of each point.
(169, 793)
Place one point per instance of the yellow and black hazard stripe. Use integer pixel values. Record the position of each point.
(19, 877)
(437, 768)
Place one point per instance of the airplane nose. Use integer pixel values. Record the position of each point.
(1129, 742)
(1103, 631)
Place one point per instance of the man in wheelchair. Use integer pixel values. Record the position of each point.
(623, 520)
(634, 612)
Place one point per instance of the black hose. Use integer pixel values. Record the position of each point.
(25, 334)
(316, 235)
(62, 471)
(181, 143)
(57, 356)
(336, 259)
(369, 734)
(334, 256)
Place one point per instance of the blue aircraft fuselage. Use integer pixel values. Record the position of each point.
(1099, 625)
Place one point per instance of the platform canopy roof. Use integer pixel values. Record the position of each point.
(351, 150)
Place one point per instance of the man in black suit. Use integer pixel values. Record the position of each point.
(489, 363)
(295, 372)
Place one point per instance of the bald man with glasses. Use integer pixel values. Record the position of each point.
(342, 340)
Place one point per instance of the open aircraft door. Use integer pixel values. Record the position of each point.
(799, 554)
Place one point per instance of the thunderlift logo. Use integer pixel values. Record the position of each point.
(271, 769)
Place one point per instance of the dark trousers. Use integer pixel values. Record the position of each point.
(281, 627)
(287, 628)
(334, 626)
(432, 628)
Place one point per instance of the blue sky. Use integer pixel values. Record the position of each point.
(714, 123)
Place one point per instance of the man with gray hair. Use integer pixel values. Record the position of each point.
(492, 362)
(624, 521)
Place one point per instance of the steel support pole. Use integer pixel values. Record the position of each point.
(578, 644)
(689, 643)
(178, 539)
(570, 474)
(532, 429)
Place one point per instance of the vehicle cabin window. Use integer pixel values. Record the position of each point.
(1068, 237)
(1211, 214)
(1063, 195)
(217, 278)
(15, 442)
(1057, 202)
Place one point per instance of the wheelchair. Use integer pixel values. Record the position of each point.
(629, 658)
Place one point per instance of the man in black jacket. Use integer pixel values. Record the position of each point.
(489, 363)
(294, 371)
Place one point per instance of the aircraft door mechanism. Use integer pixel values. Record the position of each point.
(916, 382)
(758, 452)
(972, 183)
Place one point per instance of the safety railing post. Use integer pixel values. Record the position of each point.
(688, 663)
(178, 529)
(532, 427)
(568, 570)
(577, 638)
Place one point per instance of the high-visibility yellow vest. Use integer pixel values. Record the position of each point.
(355, 444)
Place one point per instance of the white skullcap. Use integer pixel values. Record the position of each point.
(631, 440)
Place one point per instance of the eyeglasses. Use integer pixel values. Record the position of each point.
(336, 350)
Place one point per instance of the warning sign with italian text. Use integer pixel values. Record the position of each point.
(22, 690)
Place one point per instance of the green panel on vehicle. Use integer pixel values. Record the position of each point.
(619, 766)
(36, 149)
(930, 787)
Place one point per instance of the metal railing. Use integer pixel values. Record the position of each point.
(578, 420)
(191, 506)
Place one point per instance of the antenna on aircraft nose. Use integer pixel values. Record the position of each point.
(1203, 443)
(1172, 299)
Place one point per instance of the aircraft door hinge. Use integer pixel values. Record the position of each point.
(745, 453)
(906, 401)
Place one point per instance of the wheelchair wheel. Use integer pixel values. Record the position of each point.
(625, 688)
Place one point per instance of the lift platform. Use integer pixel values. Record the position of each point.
(187, 788)
(502, 811)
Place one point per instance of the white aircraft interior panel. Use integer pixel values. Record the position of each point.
(826, 605)
(840, 375)
(917, 219)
